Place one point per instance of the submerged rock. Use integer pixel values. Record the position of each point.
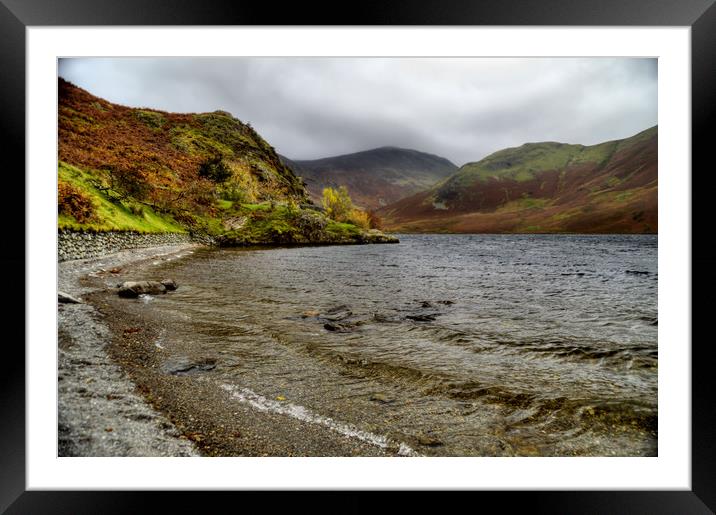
(343, 327)
(336, 314)
(183, 366)
(428, 317)
(337, 328)
(169, 284)
(381, 397)
(67, 299)
(134, 289)
(385, 319)
(336, 309)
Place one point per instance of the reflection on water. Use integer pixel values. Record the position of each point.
(455, 344)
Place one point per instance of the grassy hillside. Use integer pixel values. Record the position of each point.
(543, 187)
(145, 170)
(375, 177)
(126, 215)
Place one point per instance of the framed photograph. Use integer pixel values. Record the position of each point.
(531, 331)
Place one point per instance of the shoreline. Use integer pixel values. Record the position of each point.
(100, 412)
(115, 399)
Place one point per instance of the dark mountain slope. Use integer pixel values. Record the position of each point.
(375, 177)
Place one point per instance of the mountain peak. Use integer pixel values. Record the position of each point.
(374, 177)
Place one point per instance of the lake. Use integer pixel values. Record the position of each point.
(458, 345)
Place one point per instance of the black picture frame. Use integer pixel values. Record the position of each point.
(700, 15)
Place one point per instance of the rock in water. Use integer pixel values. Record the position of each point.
(67, 299)
(385, 319)
(134, 289)
(343, 327)
(181, 366)
(170, 284)
(338, 328)
(336, 309)
(337, 313)
(428, 317)
(381, 397)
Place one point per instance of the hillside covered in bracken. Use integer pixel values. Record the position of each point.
(544, 187)
(144, 170)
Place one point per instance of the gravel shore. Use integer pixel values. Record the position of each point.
(100, 412)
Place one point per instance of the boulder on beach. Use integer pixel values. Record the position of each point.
(67, 299)
(429, 440)
(134, 289)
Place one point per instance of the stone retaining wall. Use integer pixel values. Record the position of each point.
(84, 245)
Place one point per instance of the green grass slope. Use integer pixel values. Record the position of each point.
(127, 215)
(543, 187)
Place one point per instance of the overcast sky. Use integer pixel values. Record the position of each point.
(461, 109)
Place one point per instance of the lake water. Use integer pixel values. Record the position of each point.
(466, 345)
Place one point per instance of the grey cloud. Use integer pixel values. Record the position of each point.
(462, 109)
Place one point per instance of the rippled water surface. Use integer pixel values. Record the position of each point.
(453, 344)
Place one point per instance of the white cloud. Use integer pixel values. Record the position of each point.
(461, 109)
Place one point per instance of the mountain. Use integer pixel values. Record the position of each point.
(374, 178)
(542, 187)
(145, 170)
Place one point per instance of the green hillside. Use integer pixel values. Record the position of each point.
(543, 187)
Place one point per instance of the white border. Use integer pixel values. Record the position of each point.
(671, 470)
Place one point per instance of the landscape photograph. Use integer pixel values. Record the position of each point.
(359, 256)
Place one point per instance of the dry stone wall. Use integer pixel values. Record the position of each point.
(85, 245)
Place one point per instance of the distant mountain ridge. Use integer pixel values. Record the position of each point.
(374, 178)
(542, 187)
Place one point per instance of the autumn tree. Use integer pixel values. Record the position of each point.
(374, 220)
(337, 203)
(339, 206)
